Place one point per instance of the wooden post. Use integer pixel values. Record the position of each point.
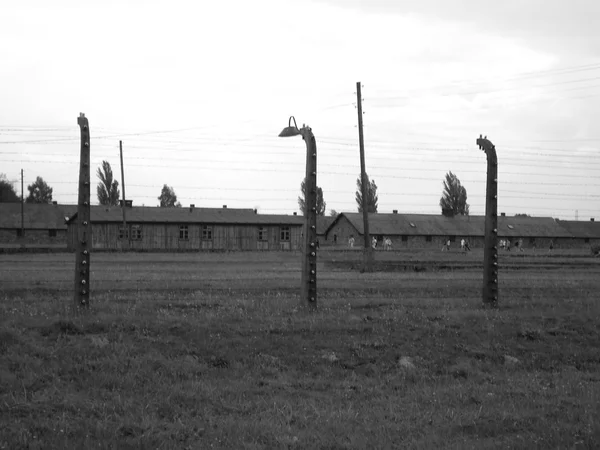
(309, 260)
(83, 244)
(125, 243)
(367, 251)
(22, 208)
(308, 281)
(490, 251)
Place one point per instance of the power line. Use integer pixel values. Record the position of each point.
(387, 157)
(322, 138)
(516, 88)
(434, 205)
(284, 164)
(544, 196)
(103, 137)
(375, 152)
(524, 75)
(503, 104)
(335, 141)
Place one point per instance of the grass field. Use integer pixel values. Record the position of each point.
(212, 351)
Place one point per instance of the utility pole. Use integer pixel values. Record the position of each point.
(83, 245)
(490, 250)
(22, 208)
(368, 251)
(125, 233)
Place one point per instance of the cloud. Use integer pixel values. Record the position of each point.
(435, 75)
(546, 25)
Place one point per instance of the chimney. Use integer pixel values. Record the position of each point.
(224, 206)
(54, 202)
(295, 213)
(591, 219)
(129, 203)
(395, 211)
(192, 206)
(256, 211)
(503, 214)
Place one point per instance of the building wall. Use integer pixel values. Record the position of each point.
(567, 243)
(340, 232)
(31, 237)
(435, 242)
(543, 243)
(245, 237)
(344, 229)
(167, 237)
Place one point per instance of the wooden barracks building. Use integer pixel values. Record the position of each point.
(428, 230)
(35, 225)
(177, 229)
(180, 229)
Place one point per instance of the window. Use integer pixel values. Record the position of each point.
(52, 233)
(183, 232)
(412, 225)
(404, 238)
(284, 234)
(532, 241)
(19, 232)
(510, 227)
(452, 238)
(136, 232)
(123, 233)
(427, 238)
(587, 240)
(262, 233)
(206, 233)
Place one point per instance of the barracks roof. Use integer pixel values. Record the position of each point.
(323, 223)
(153, 214)
(36, 216)
(589, 229)
(439, 225)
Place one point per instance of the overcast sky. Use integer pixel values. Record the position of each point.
(198, 92)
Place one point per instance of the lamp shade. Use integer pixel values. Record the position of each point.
(289, 131)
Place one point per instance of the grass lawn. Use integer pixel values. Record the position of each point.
(390, 360)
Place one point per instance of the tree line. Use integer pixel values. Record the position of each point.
(453, 201)
(107, 190)
(39, 191)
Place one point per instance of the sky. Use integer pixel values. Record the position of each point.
(197, 91)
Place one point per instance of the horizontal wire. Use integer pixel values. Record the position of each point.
(293, 199)
(411, 170)
(542, 196)
(373, 147)
(553, 152)
(433, 205)
(505, 89)
(502, 104)
(524, 75)
(374, 151)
